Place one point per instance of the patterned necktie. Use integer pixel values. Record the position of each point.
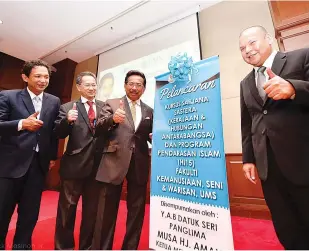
(260, 81)
(133, 111)
(91, 114)
(37, 104)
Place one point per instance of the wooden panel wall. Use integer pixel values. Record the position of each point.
(10, 72)
(291, 23)
(246, 199)
(61, 86)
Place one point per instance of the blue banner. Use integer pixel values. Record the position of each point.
(189, 192)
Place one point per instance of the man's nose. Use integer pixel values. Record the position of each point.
(248, 49)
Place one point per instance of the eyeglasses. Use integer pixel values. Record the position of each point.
(137, 85)
(87, 86)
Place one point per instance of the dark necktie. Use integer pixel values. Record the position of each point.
(260, 81)
(91, 114)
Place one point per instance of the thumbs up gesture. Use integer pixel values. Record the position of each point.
(277, 88)
(32, 123)
(72, 114)
(120, 114)
(34, 115)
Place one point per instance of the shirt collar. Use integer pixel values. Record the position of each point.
(138, 102)
(269, 61)
(84, 100)
(32, 95)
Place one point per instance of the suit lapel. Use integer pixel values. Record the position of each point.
(98, 108)
(144, 111)
(277, 67)
(82, 110)
(279, 62)
(252, 87)
(27, 101)
(128, 112)
(44, 106)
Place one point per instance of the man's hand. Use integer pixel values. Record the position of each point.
(249, 172)
(120, 114)
(32, 123)
(277, 88)
(52, 163)
(72, 114)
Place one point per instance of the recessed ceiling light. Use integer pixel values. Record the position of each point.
(1, 22)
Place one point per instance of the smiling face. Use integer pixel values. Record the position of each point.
(38, 79)
(87, 87)
(134, 87)
(255, 46)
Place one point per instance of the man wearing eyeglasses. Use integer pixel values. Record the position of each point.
(128, 123)
(76, 120)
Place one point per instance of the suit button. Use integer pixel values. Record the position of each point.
(265, 112)
(33, 148)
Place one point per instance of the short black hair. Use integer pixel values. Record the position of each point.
(254, 26)
(135, 73)
(82, 74)
(29, 65)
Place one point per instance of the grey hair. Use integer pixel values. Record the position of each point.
(82, 74)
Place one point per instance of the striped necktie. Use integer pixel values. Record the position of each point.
(260, 81)
(133, 111)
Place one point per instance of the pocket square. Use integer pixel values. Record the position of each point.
(147, 118)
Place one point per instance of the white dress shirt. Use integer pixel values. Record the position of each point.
(138, 111)
(268, 64)
(37, 107)
(32, 96)
(84, 101)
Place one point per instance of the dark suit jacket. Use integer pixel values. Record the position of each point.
(122, 141)
(284, 122)
(17, 147)
(77, 161)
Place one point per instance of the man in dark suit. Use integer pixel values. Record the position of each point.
(76, 120)
(27, 150)
(127, 122)
(274, 122)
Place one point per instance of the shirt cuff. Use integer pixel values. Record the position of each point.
(292, 97)
(20, 125)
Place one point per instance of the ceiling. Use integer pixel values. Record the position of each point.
(55, 30)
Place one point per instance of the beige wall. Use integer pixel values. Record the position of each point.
(220, 26)
(90, 64)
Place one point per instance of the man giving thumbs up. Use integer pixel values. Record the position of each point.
(126, 123)
(274, 101)
(76, 120)
(28, 148)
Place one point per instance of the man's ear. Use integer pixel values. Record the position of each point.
(269, 38)
(25, 78)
